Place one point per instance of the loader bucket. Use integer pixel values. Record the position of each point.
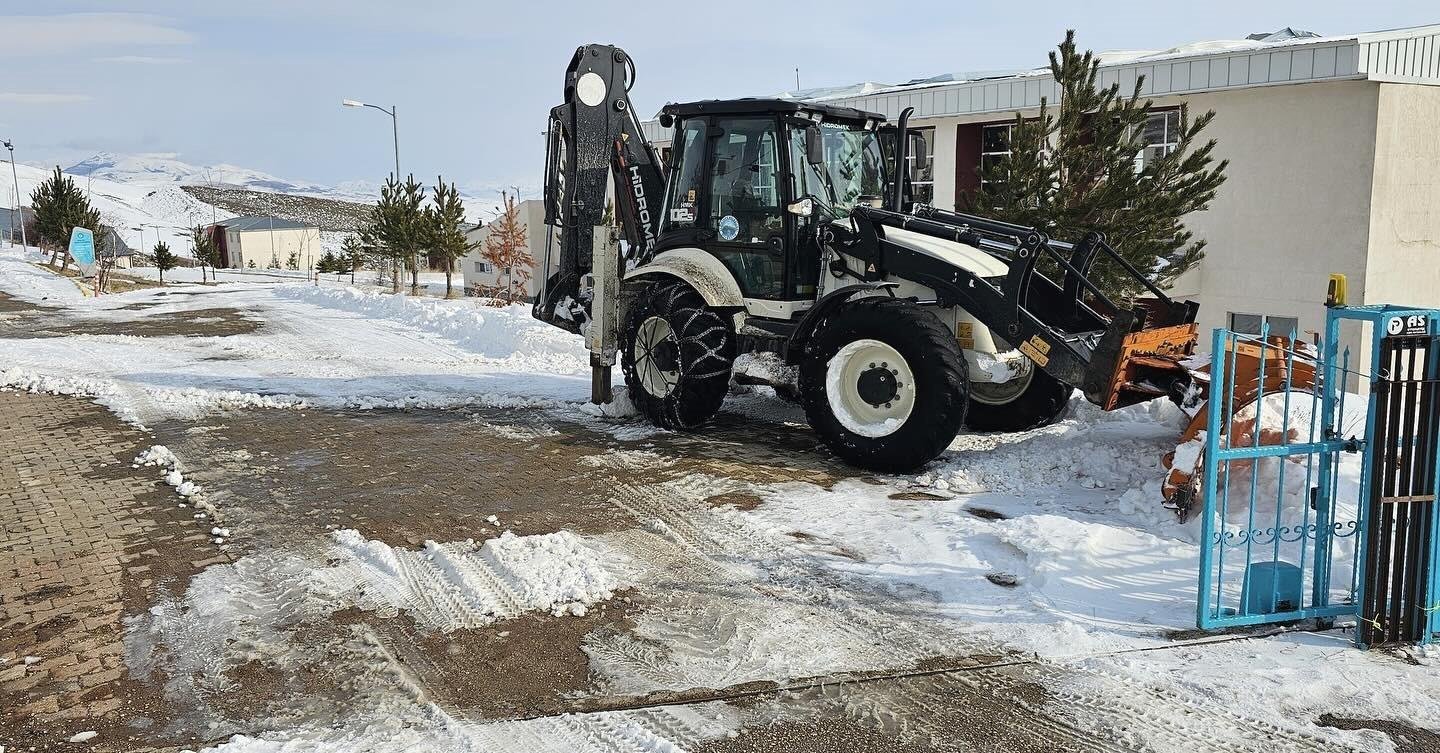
(1246, 361)
(1149, 365)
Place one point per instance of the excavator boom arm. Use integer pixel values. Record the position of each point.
(591, 137)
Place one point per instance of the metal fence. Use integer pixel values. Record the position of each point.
(1318, 503)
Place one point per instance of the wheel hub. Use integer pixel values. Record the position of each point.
(666, 354)
(877, 385)
(870, 388)
(656, 355)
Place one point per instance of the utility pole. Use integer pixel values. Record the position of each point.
(395, 136)
(797, 80)
(19, 215)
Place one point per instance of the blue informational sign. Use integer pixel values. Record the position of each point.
(82, 250)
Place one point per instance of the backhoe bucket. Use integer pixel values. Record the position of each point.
(1286, 365)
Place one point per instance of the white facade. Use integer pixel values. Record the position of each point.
(481, 276)
(263, 246)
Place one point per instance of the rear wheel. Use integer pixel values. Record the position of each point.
(885, 385)
(676, 356)
(1030, 400)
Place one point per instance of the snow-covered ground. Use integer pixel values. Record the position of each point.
(1050, 543)
(322, 346)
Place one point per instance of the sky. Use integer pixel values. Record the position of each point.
(258, 83)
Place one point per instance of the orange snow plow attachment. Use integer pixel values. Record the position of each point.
(1181, 486)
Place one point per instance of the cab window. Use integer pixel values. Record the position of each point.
(855, 164)
(744, 195)
(687, 178)
(744, 205)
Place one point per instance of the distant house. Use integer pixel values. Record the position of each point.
(107, 241)
(7, 224)
(481, 276)
(265, 242)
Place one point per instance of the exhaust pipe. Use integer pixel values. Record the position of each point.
(902, 153)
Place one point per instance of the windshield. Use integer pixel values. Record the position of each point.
(853, 163)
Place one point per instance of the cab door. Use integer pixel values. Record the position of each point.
(743, 209)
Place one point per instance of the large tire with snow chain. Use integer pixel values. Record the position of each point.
(676, 355)
(1029, 401)
(884, 384)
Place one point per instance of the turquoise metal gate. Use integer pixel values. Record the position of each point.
(1288, 479)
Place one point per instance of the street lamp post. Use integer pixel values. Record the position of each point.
(19, 215)
(395, 133)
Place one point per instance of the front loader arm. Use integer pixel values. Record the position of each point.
(593, 135)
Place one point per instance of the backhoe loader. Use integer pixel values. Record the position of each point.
(783, 227)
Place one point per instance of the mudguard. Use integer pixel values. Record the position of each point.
(708, 275)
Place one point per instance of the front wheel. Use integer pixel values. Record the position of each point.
(1030, 400)
(676, 354)
(885, 385)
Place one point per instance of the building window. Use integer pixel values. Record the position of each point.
(1160, 136)
(482, 266)
(1251, 324)
(994, 148)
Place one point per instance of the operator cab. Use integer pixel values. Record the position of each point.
(750, 179)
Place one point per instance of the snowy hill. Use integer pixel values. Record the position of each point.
(166, 196)
(167, 168)
(161, 208)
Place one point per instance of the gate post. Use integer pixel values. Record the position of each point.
(1398, 547)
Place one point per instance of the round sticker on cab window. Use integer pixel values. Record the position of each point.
(729, 227)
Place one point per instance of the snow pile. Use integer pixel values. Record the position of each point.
(1089, 448)
(469, 584)
(26, 280)
(551, 571)
(507, 334)
(160, 456)
(138, 405)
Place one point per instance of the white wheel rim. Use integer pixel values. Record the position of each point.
(1003, 393)
(842, 388)
(656, 380)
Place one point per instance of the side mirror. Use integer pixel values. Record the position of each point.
(802, 208)
(814, 145)
(921, 150)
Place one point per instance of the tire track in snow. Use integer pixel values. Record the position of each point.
(781, 614)
(1112, 707)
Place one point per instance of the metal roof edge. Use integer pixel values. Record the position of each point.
(1410, 55)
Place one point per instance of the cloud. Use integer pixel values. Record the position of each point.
(37, 36)
(140, 60)
(38, 98)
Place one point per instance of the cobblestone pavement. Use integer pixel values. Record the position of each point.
(86, 541)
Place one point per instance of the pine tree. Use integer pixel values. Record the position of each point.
(250, 264)
(1077, 171)
(207, 252)
(164, 260)
(398, 227)
(446, 238)
(293, 262)
(60, 207)
(352, 254)
(508, 249)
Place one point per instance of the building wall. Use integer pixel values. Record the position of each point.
(532, 215)
(1404, 233)
(261, 245)
(1295, 206)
